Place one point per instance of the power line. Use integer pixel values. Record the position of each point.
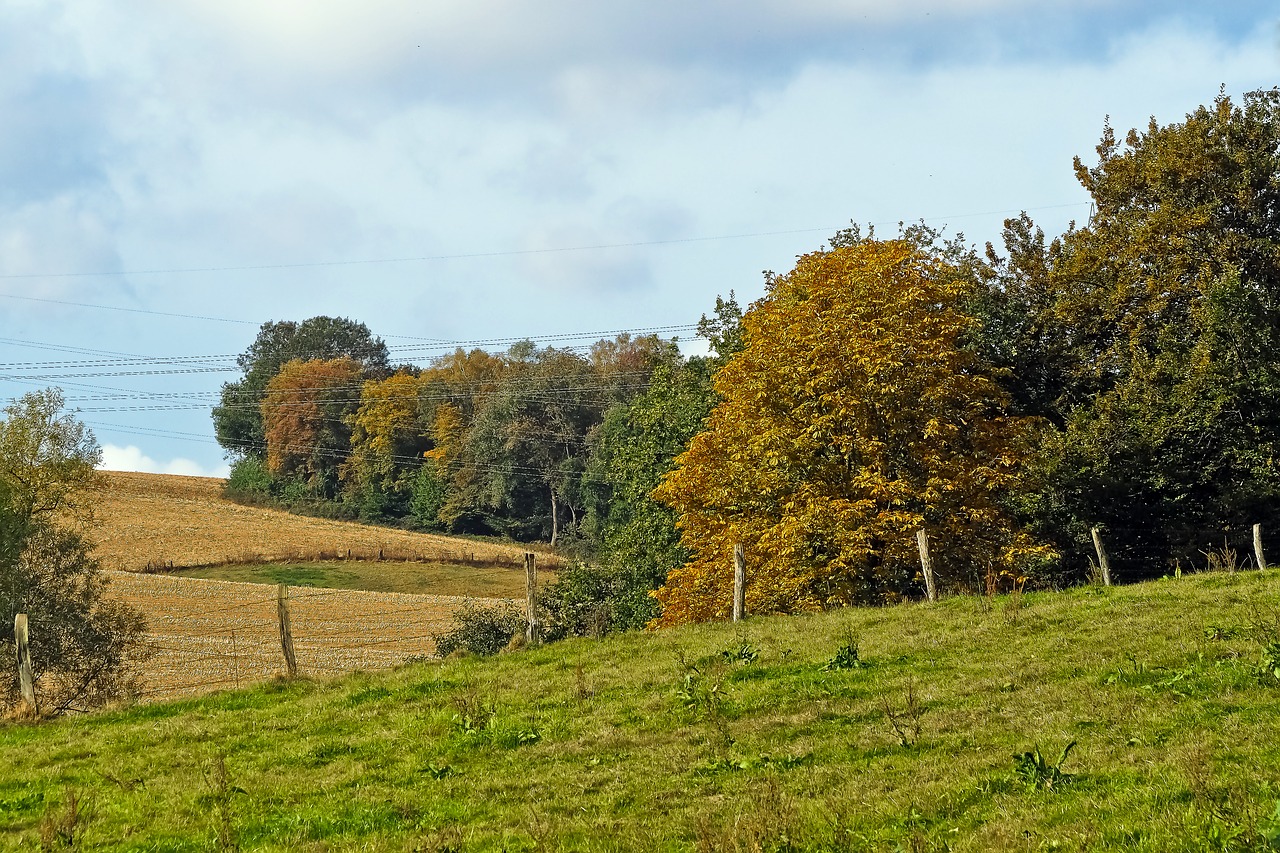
(501, 253)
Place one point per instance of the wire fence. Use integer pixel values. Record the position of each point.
(207, 635)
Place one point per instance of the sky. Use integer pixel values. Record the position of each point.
(174, 173)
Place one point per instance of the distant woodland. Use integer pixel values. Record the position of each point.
(1007, 399)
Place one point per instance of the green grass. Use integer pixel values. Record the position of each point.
(429, 578)
(768, 736)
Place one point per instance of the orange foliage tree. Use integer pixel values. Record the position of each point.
(305, 415)
(852, 418)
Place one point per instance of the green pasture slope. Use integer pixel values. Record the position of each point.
(411, 577)
(770, 736)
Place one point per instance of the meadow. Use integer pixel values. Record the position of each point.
(914, 727)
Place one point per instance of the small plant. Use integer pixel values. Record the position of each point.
(439, 771)
(582, 690)
(221, 795)
(60, 828)
(905, 722)
(472, 714)
(1036, 771)
(704, 696)
(1224, 559)
(846, 656)
(743, 652)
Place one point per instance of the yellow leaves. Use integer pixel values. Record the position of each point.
(302, 414)
(851, 418)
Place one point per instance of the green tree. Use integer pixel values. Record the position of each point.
(1163, 317)
(636, 542)
(237, 419)
(88, 645)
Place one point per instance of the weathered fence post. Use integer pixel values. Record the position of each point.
(26, 684)
(1103, 563)
(531, 592)
(926, 565)
(286, 632)
(1257, 547)
(739, 582)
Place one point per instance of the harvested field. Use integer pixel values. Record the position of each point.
(216, 635)
(162, 520)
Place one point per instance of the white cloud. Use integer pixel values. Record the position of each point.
(133, 459)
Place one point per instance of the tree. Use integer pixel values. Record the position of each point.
(635, 538)
(388, 440)
(305, 415)
(852, 417)
(88, 645)
(1164, 313)
(526, 449)
(237, 419)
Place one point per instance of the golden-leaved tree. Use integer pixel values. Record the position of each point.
(852, 418)
(305, 414)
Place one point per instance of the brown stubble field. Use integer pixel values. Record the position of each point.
(209, 635)
(162, 519)
(216, 635)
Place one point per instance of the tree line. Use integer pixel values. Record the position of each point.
(1006, 399)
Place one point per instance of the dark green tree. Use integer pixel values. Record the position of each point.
(1148, 337)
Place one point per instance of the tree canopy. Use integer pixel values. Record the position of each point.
(851, 418)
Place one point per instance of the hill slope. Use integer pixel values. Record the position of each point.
(161, 519)
(762, 736)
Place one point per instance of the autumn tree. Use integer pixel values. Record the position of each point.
(389, 435)
(851, 418)
(237, 419)
(89, 645)
(306, 413)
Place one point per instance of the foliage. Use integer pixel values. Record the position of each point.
(846, 657)
(305, 420)
(1036, 771)
(852, 418)
(388, 440)
(635, 537)
(86, 644)
(237, 419)
(249, 480)
(1157, 325)
(480, 629)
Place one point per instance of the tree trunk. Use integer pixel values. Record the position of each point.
(555, 518)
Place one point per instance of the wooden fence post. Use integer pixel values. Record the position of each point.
(531, 591)
(286, 632)
(26, 684)
(739, 582)
(1257, 547)
(1103, 563)
(926, 565)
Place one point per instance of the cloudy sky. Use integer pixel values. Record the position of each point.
(173, 173)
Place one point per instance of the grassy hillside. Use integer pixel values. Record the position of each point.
(482, 581)
(764, 736)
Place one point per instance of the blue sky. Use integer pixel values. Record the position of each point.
(172, 174)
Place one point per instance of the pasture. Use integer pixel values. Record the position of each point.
(440, 579)
(921, 727)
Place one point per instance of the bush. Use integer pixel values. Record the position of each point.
(590, 601)
(86, 648)
(480, 629)
(249, 480)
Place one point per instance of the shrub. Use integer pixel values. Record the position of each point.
(249, 480)
(480, 629)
